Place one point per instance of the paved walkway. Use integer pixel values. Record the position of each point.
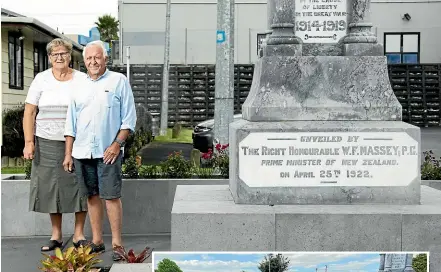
(156, 152)
(24, 255)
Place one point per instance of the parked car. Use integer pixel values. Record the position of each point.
(203, 134)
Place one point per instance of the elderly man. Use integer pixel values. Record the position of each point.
(100, 118)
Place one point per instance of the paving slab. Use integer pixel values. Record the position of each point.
(23, 254)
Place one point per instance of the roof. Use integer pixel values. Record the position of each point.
(35, 23)
(8, 13)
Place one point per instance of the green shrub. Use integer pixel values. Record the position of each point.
(204, 172)
(431, 167)
(135, 142)
(150, 171)
(13, 138)
(176, 166)
(28, 168)
(130, 168)
(419, 263)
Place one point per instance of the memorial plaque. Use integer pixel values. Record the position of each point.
(320, 21)
(398, 261)
(307, 159)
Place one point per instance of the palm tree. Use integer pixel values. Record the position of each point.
(108, 28)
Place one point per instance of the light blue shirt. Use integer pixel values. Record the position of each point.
(99, 109)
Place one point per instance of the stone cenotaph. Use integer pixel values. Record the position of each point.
(321, 160)
(396, 263)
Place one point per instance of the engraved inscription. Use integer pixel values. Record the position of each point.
(320, 21)
(328, 159)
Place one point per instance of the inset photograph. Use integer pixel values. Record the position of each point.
(290, 262)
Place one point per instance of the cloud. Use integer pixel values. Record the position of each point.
(206, 257)
(172, 256)
(215, 265)
(310, 260)
(352, 266)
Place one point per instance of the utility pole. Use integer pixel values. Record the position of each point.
(165, 74)
(270, 258)
(128, 62)
(224, 84)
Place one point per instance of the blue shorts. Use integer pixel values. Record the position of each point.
(100, 179)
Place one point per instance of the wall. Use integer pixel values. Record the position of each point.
(13, 97)
(193, 41)
(193, 28)
(425, 19)
(147, 207)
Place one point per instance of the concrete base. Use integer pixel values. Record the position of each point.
(209, 214)
(389, 192)
(137, 267)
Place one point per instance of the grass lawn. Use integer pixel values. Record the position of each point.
(13, 170)
(184, 137)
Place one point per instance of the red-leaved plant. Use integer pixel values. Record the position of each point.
(130, 257)
(218, 159)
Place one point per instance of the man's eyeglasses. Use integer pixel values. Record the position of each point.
(62, 54)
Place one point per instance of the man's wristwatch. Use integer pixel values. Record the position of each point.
(121, 143)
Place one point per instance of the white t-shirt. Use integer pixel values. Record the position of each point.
(52, 98)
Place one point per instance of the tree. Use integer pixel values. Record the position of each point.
(279, 263)
(419, 263)
(108, 28)
(167, 265)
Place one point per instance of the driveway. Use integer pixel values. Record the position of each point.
(156, 152)
(431, 140)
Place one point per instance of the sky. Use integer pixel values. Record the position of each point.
(299, 262)
(70, 17)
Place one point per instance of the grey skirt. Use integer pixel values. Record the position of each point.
(54, 190)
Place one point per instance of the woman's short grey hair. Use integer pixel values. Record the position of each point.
(58, 42)
(97, 42)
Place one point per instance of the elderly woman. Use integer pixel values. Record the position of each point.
(53, 190)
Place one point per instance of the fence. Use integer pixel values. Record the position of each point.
(191, 91)
(418, 88)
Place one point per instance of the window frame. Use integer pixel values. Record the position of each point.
(40, 50)
(259, 41)
(17, 43)
(401, 53)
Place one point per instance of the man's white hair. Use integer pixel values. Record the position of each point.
(99, 43)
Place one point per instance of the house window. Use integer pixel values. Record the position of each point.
(40, 58)
(402, 47)
(15, 52)
(260, 38)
